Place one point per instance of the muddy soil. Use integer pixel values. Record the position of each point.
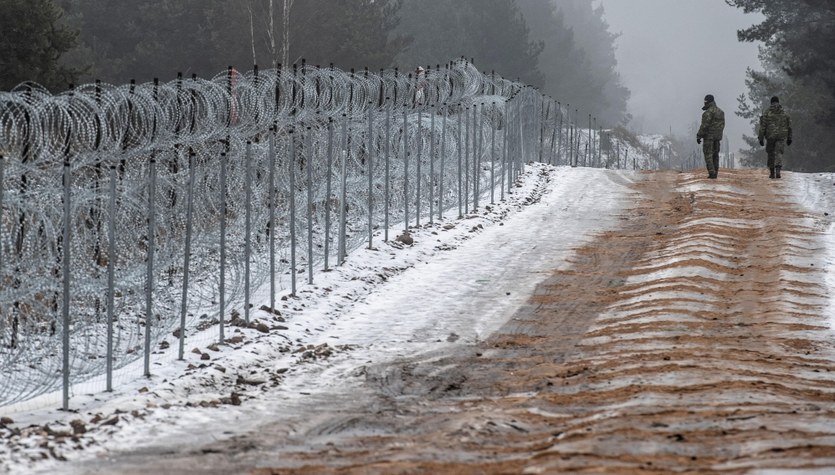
(693, 339)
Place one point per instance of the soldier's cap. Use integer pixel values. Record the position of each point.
(775, 99)
(709, 98)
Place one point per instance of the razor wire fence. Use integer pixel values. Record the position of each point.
(127, 210)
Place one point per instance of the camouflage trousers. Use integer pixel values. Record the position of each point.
(711, 151)
(775, 149)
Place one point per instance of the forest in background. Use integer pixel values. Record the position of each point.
(798, 65)
(563, 47)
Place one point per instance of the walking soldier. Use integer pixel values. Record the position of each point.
(711, 130)
(775, 133)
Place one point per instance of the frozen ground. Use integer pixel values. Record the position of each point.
(459, 283)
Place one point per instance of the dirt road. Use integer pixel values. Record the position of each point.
(692, 339)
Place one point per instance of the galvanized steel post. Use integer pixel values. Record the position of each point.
(186, 256)
(149, 286)
(247, 226)
(308, 162)
(388, 174)
(370, 171)
(291, 169)
(343, 195)
(65, 261)
(271, 224)
(432, 164)
(222, 283)
(328, 191)
(406, 169)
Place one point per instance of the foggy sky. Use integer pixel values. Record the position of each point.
(673, 52)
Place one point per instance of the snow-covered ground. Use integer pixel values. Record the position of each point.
(816, 193)
(458, 281)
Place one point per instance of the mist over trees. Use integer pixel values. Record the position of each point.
(578, 59)
(126, 39)
(491, 32)
(563, 47)
(798, 63)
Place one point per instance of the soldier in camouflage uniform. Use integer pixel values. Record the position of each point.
(776, 129)
(711, 130)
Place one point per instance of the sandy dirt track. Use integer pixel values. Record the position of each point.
(692, 339)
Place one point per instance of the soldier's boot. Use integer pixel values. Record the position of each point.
(777, 171)
(711, 175)
(771, 172)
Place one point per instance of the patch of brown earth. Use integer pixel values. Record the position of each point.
(692, 340)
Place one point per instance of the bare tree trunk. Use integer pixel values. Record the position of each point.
(272, 35)
(252, 31)
(285, 46)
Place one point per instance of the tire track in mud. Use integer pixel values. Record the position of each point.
(692, 340)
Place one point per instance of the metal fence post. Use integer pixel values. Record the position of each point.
(492, 153)
(186, 255)
(388, 174)
(328, 185)
(587, 159)
(552, 149)
(292, 171)
(65, 260)
(406, 168)
(460, 163)
(417, 166)
(443, 164)
(308, 162)
(2, 190)
(343, 194)
(559, 137)
(432, 164)
(370, 168)
(478, 144)
(467, 161)
(512, 145)
(504, 151)
(520, 122)
(271, 207)
(576, 137)
(222, 284)
(543, 116)
(149, 289)
(247, 226)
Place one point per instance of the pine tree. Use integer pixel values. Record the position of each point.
(592, 36)
(566, 68)
(350, 33)
(142, 39)
(492, 32)
(32, 43)
(799, 67)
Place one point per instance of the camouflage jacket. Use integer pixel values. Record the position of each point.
(713, 123)
(775, 124)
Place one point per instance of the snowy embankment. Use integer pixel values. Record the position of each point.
(458, 281)
(815, 192)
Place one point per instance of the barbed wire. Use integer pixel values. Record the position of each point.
(129, 211)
